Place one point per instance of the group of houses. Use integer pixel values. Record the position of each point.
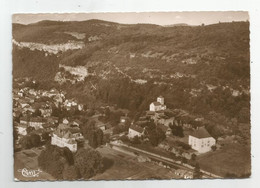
(199, 139)
(34, 108)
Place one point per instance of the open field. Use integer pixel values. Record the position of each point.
(127, 167)
(231, 159)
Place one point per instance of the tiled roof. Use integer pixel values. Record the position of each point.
(201, 133)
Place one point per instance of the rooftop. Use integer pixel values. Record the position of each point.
(156, 103)
(201, 133)
(136, 128)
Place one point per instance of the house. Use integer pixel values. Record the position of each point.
(184, 173)
(158, 105)
(188, 175)
(167, 130)
(16, 97)
(76, 123)
(32, 92)
(201, 141)
(124, 120)
(63, 137)
(52, 120)
(23, 103)
(80, 107)
(65, 121)
(21, 129)
(166, 121)
(101, 125)
(135, 130)
(37, 122)
(24, 120)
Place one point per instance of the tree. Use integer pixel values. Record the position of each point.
(30, 129)
(37, 113)
(93, 139)
(35, 139)
(46, 136)
(197, 174)
(99, 134)
(70, 173)
(244, 115)
(54, 159)
(177, 130)
(136, 140)
(89, 162)
(30, 141)
(193, 157)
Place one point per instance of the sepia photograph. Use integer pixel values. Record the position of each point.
(131, 96)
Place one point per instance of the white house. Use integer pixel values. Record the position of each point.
(158, 105)
(135, 131)
(201, 141)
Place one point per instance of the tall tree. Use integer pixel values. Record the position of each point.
(89, 162)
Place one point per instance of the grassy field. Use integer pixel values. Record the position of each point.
(233, 159)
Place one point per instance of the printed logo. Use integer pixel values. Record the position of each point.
(30, 173)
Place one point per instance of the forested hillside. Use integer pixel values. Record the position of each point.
(200, 69)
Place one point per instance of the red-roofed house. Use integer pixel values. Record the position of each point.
(201, 141)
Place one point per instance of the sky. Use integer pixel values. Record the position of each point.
(159, 18)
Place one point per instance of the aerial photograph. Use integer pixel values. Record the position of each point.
(131, 96)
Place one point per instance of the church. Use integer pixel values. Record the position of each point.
(158, 105)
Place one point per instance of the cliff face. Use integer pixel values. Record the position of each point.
(52, 49)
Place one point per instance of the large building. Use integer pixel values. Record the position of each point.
(201, 141)
(158, 105)
(66, 137)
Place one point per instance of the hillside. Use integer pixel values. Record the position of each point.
(201, 69)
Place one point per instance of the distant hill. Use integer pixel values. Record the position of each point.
(178, 24)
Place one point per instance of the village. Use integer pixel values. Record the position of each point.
(159, 135)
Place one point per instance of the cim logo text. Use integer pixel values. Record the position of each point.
(30, 173)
